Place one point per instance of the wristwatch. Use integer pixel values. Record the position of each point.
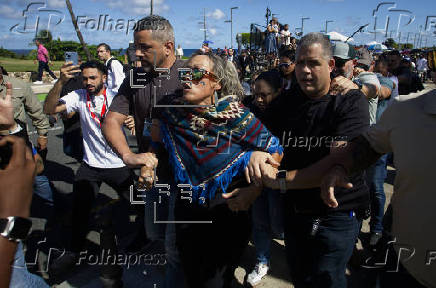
(359, 84)
(15, 228)
(281, 176)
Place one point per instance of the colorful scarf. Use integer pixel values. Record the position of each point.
(209, 146)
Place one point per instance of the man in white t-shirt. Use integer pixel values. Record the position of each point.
(100, 163)
(115, 69)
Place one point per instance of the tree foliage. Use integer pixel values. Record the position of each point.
(390, 43)
(44, 36)
(7, 53)
(245, 39)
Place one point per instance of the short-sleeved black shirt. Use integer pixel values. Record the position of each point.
(307, 128)
(141, 101)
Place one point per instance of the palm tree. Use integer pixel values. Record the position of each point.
(79, 34)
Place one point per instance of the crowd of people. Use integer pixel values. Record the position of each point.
(298, 152)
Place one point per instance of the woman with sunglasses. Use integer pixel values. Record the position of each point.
(210, 138)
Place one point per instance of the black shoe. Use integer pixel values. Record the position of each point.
(375, 237)
(111, 283)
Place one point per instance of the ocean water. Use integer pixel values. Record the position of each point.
(21, 51)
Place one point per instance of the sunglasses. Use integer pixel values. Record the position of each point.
(195, 74)
(286, 65)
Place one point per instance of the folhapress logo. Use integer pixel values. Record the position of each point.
(36, 17)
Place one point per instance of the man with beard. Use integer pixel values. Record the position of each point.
(100, 163)
(153, 83)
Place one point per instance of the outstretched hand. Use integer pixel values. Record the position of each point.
(7, 109)
(16, 180)
(336, 177)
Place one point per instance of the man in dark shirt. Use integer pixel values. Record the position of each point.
(404, 74)
(151, 85)
(319, 240)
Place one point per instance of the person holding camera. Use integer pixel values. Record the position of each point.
(100, 163)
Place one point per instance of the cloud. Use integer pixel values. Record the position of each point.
(217, 14)
(7, 11)
(56, 4)
(212, 31)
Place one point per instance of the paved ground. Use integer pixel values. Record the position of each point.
(60, 170)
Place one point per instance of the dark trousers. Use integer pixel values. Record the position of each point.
(320, 260)
(210, 253)
(85, 189)
(44, 66)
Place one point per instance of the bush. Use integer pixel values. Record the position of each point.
(7, 53)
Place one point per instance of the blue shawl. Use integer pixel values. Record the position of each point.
(209, 146)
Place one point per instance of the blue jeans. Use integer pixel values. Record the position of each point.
(267, 213)
(164, 231)
(21, 277)
(42, 188)
(320, 260)
(376, 176)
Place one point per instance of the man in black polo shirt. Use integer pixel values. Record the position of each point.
(151, 85)
(319, 240)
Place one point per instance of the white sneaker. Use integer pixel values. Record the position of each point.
(257, 274)
(54, 81)
(38, 82)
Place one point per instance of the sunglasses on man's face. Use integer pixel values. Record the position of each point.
(195, 74)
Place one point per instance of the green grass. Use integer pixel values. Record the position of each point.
(20, 65)
(41, 97)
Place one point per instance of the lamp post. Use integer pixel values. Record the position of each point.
(231, 25)
(326, 23)
(302, 24)
(204, 24)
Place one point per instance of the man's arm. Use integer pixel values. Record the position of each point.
(119, 75)
(370, 91)
(355, 157)
(112, 131)
(385, 93)
(34, 109)
(16, 182)
(7, 110)
(51, 103)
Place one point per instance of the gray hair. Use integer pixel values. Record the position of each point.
(226, 73)
(316, 38)
(162, 30)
